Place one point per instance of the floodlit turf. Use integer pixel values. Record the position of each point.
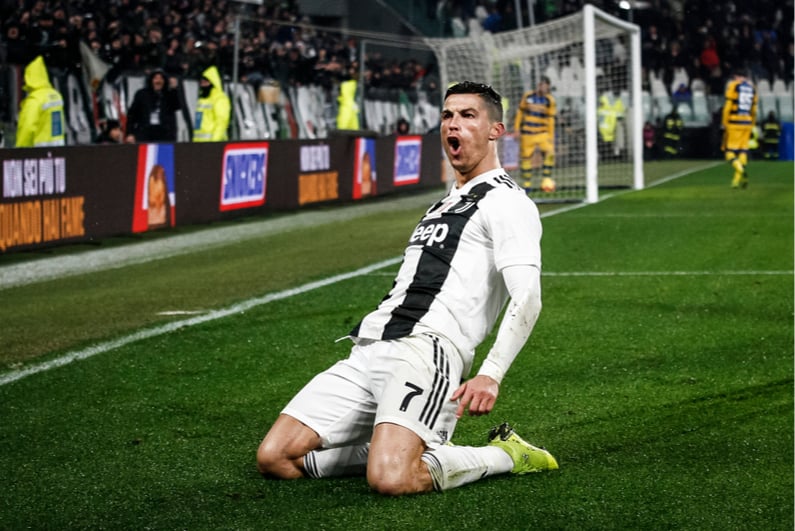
(660, 375)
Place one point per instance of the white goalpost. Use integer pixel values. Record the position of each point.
(592, 60)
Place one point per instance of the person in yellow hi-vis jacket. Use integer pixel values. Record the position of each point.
(213, 109)
(348, 113)
(609, 115)
(41, 115)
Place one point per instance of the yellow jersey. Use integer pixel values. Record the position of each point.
(741, 103)
(536, 114)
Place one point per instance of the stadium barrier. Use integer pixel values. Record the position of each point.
(53, 196)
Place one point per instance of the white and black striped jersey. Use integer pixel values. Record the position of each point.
(449, 281)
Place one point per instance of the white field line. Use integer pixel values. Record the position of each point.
(212, 315)
(238, 308)
(33, 271)
(176, 325)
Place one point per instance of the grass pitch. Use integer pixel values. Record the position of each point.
(660, 374)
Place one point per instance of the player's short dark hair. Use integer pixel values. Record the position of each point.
(487, 93)
(545, 79)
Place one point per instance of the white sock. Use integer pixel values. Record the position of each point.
(330, 462)
(453, 466)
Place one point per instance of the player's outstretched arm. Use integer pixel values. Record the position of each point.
(524, 285)
(479, 394)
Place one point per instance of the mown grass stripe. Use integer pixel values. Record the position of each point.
(211, 315)
(176, 325)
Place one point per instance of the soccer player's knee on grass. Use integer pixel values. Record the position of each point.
(389, 482)
(271, 462)
(392, 477)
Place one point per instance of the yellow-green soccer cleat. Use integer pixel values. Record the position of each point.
(526, 457)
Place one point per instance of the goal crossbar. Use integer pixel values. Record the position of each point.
(575, 48)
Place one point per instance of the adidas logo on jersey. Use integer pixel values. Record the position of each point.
(429, 234)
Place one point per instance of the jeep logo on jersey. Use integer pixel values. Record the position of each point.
(429, 234)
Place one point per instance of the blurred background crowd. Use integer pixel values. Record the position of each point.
(281, 46)
(183, 37)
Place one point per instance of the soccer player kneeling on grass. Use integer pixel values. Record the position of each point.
(390, 408)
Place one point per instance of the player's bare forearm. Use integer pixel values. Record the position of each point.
(478, 395)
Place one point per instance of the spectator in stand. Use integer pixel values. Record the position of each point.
(651, 48)
(766, 40)
(710, 66)
(120, 55)
(17, 48)
(175, 63)
(41, 26)
(682, 96)
(42, 32)
(152, 117)
(493, 22)
(674, 60)
(110, 133)
(64, 54)
(402, 126)
(153, 51)
(709, 58)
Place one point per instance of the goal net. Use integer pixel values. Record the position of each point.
(592, 61)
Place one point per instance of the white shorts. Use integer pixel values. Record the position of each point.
(404, 381)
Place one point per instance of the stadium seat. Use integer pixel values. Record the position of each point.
(697, 84)
(701, 115)
(657, 86)
(680, 78)
(648, 111)
(475, 28)
(785, 108)
(779, 87)
(570, 82)
(763, 87)
(663, 105)
(767, 103)
(552, 73)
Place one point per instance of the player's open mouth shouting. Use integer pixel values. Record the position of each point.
(453, 146)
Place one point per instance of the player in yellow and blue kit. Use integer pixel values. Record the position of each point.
(535, 123)
(739, 117)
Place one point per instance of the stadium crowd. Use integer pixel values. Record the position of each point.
(676, 34)
(184, 37)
